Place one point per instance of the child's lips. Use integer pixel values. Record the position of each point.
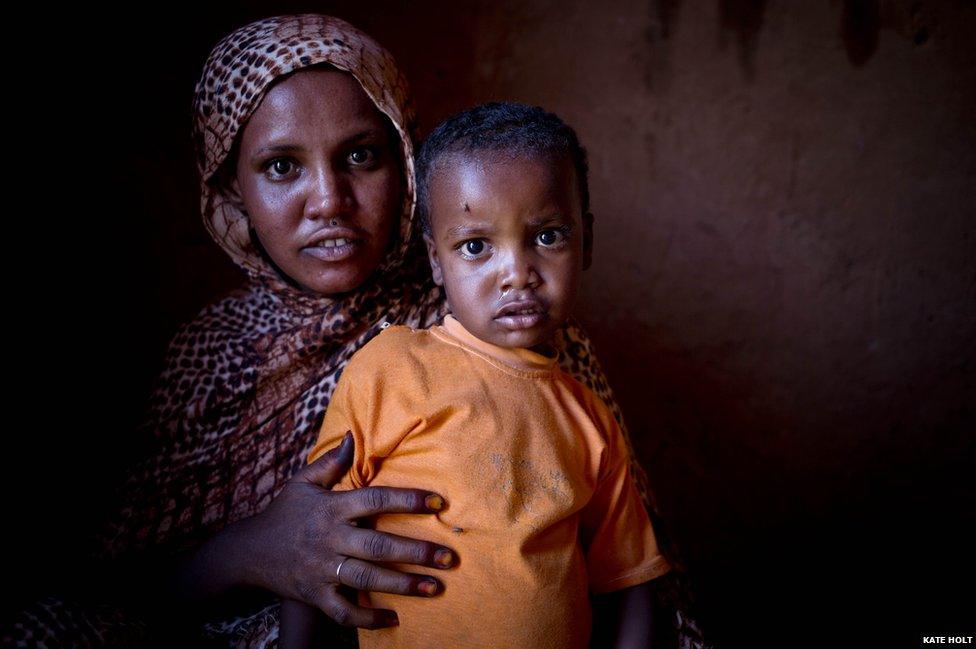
(518, 322)
(521, 314)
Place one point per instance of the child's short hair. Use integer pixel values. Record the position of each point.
(505, 127)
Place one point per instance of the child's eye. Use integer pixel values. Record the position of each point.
(473, 248)
(278, 168)
(549, 238)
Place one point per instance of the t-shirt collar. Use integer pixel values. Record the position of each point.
(515, 357)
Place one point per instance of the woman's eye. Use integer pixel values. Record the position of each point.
(280, 167)
(361, 156)
(473, 248)
(549, 237)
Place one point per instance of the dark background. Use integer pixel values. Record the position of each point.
(783, 292)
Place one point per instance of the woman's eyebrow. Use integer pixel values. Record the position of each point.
(278, 148)
(366, 134)
(370, 133)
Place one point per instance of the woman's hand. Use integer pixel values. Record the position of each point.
(296, 547)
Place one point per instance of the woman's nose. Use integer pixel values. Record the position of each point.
(329, 196)
(518, 272)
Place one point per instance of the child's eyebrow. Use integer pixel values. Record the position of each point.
(547, 219)
(470, 229)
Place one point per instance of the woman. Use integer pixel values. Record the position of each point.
(307, 183)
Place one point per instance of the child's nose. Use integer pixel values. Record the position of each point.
(519, 273)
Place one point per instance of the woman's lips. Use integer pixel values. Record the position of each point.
(336, 249)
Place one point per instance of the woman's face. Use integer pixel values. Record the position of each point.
(319, 176)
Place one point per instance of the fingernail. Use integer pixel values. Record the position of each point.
(444, 558)
(434, 502)
(427, 587)
(392, 619)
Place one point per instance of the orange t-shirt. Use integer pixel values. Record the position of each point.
(541, 508)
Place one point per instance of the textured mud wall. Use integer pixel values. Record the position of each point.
(784, 283)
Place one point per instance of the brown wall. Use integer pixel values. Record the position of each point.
(784, 287)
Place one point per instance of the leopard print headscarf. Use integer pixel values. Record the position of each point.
(246, 383)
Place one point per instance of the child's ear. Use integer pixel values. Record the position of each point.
(587, 240)
(435, 262)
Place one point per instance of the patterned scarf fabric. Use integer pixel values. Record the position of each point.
(246, 384)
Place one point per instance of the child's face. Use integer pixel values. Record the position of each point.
(508, 245)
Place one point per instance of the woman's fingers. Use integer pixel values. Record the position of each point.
(329, 469)
(370, 501)
(371, 545)
(363, 575)
(344, 612)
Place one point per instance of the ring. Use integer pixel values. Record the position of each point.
(339, 567)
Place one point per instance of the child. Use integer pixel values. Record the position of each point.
(540, 505)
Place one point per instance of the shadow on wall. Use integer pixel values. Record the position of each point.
(773, 566)
(862, 20)
(860, 23)
(744, 19)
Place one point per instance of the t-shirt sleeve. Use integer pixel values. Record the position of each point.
(618, 540)
(340, 417)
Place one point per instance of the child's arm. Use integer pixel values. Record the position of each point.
(623, 558)
(299, 624)
(624, 619)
